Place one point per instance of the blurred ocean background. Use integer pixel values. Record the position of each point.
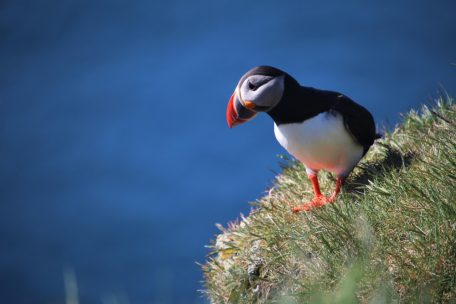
(115, 157)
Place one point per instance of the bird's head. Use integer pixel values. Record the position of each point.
(259, 90)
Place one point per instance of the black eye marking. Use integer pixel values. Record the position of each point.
(252, 86)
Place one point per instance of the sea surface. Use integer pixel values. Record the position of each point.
(115, 157)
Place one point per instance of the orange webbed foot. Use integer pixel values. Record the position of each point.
(319, 199)
(316, 202)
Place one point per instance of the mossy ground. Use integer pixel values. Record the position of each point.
(389, 237)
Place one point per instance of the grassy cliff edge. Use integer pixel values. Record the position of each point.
(390, 237)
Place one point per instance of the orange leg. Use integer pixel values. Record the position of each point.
(315, 185)
(319, 199)
(339, 183)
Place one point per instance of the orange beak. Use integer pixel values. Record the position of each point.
(236, 113)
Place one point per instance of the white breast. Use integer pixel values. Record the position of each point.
(321, 142)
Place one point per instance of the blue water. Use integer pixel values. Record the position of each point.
(115, 157)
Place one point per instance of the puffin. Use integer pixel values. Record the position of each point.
(325, 130)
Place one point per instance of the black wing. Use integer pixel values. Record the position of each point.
(358, 121)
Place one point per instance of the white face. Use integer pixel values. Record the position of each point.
(264, 91)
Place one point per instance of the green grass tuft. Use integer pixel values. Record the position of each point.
(389, 237)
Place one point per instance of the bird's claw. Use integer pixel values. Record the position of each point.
(316, 202)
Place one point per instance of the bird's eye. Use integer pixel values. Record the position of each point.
(252, 86)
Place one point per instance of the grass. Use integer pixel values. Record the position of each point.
(389, 238)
